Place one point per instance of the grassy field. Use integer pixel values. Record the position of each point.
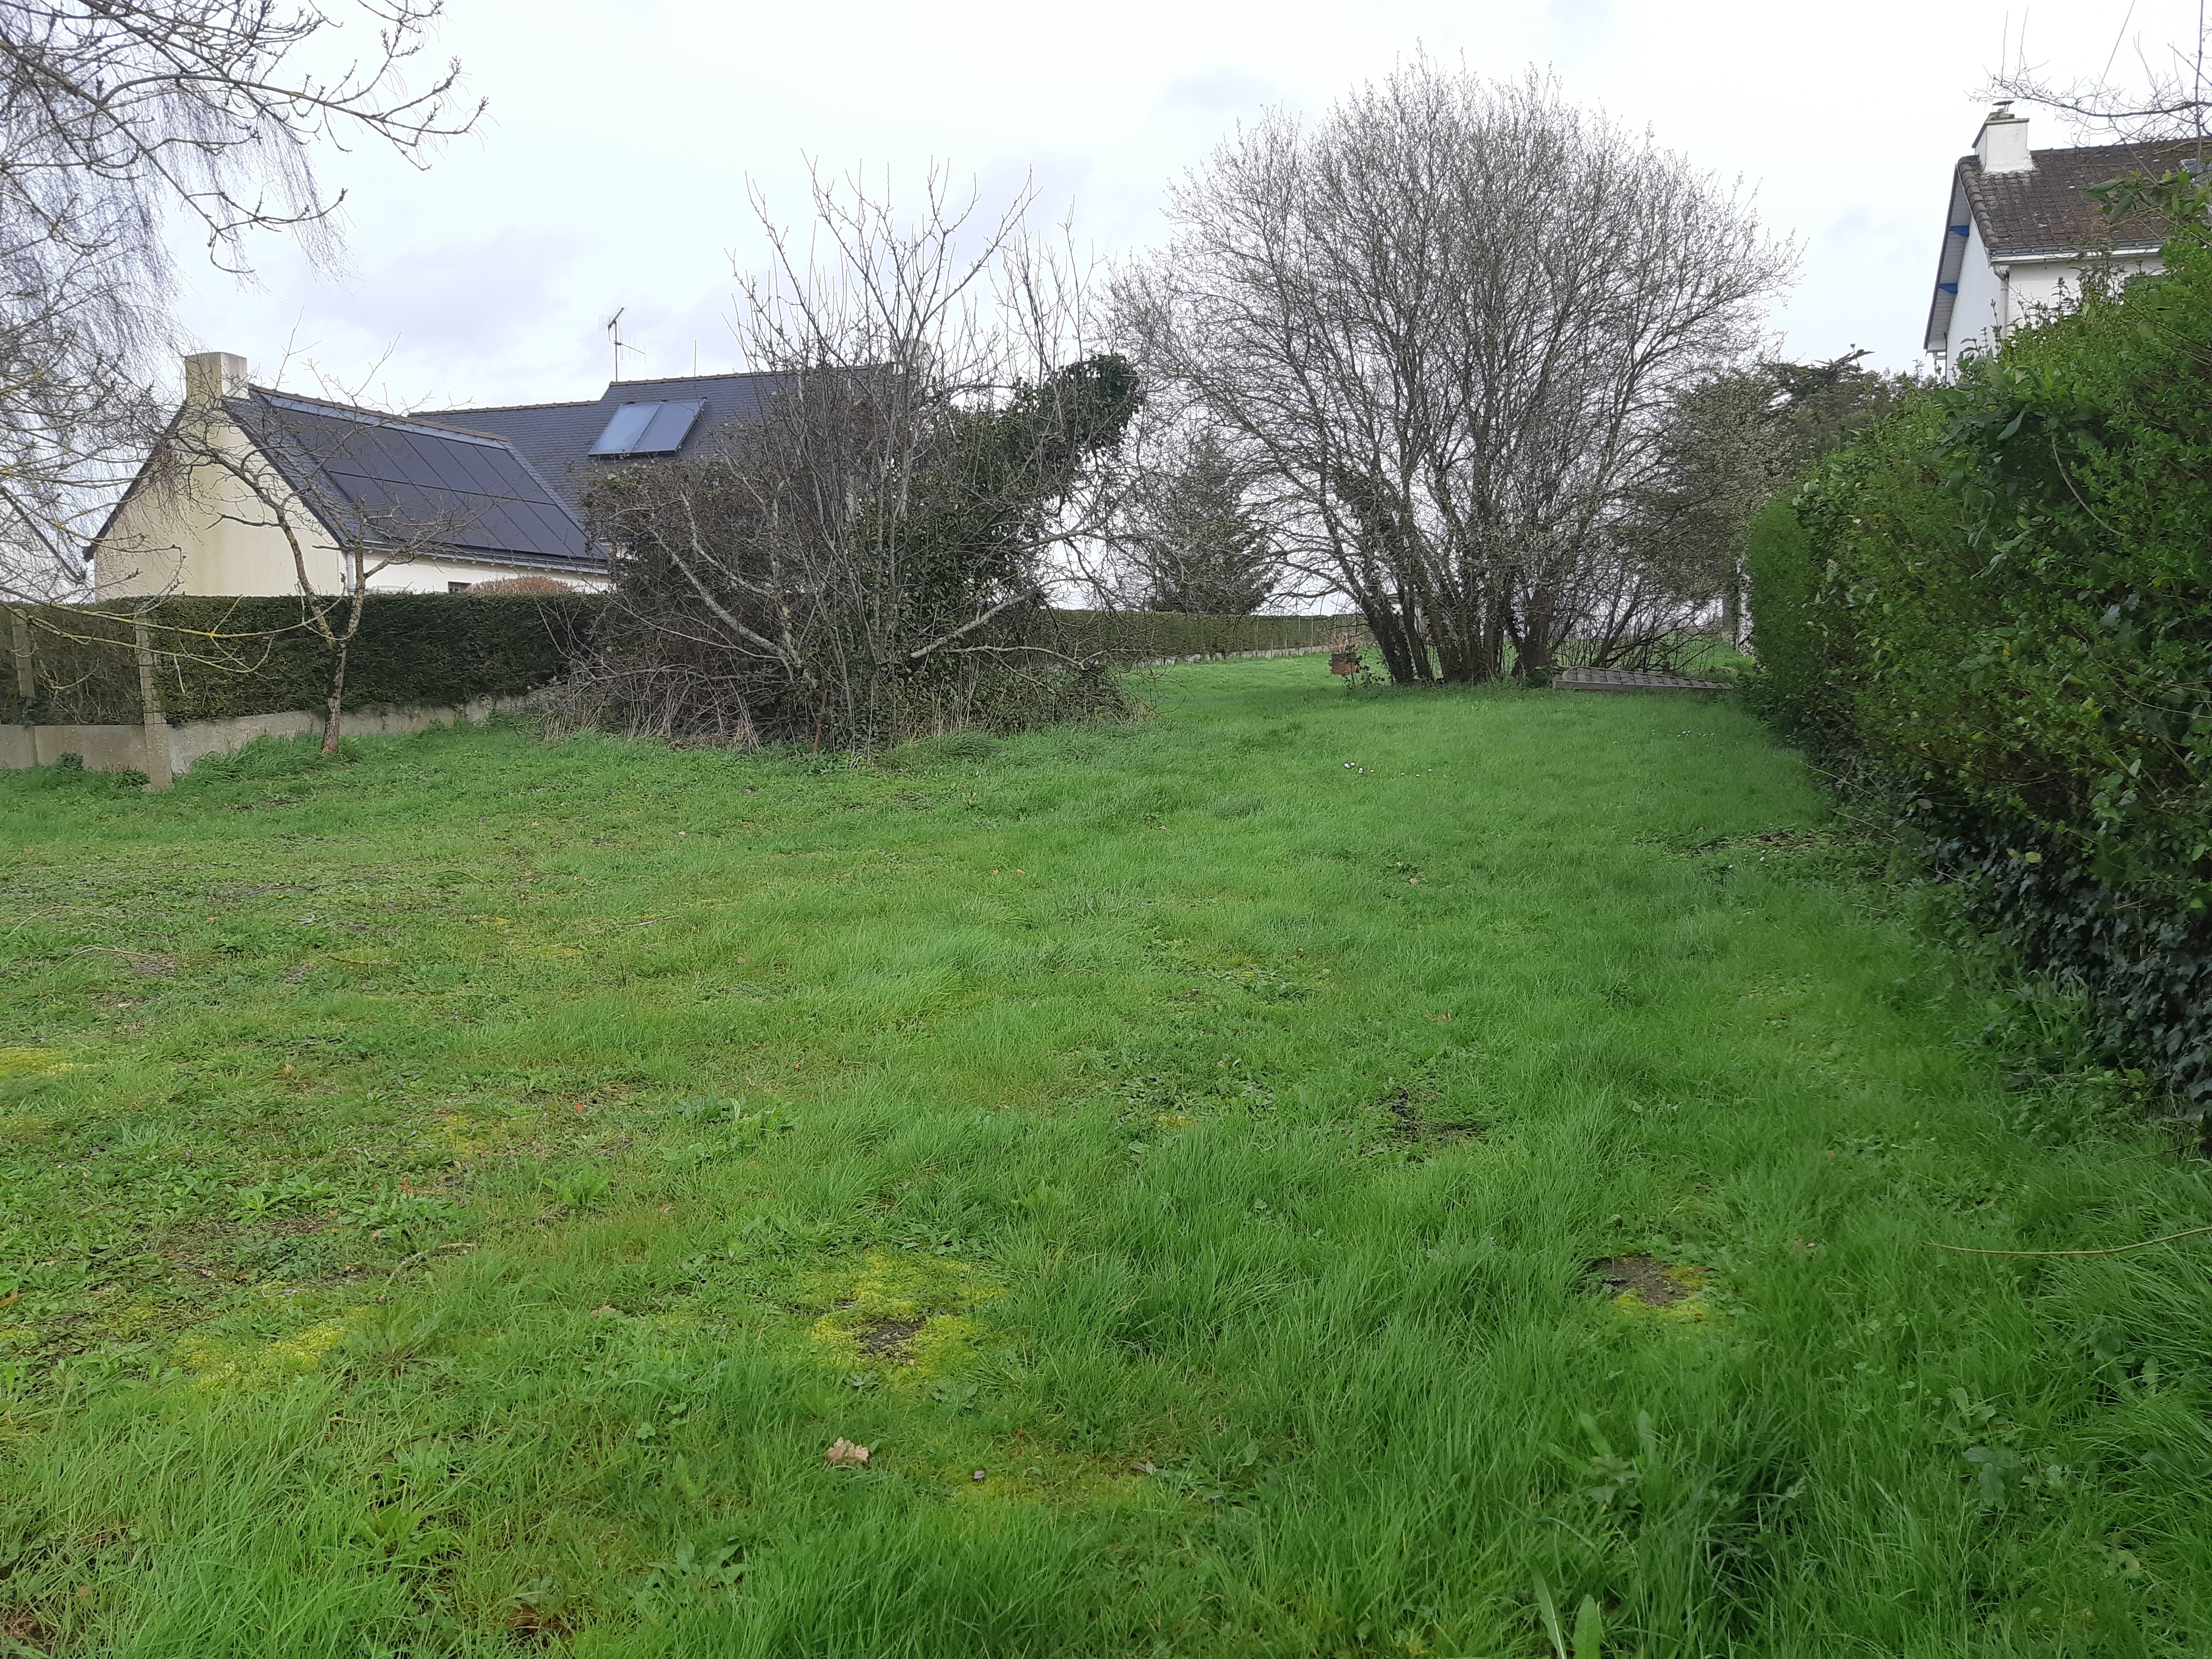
(1413, 1173)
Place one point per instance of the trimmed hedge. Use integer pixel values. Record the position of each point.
(1777, 558)
(2000, 597)
(219, 658)
(1152, 636)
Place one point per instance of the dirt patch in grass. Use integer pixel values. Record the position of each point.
(1649, 1280)
(890, 1338)
(24, 1631)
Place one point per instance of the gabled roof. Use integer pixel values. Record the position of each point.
(557, 438)
(2047, 209)
(2044, 212)
(377, 479)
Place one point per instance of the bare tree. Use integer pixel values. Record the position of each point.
(1436, 326)
(862, 555)
(118, 117)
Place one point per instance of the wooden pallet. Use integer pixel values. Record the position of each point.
(1620, 679)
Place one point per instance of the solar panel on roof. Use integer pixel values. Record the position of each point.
(655, 428)
(671, 425)
(622, 431)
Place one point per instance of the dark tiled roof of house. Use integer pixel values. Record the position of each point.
(557, 438)
(2048, 210)
(380, 480)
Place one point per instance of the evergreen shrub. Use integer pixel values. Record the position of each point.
(2003, 604)
(1785, 686)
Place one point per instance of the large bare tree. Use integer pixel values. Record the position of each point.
(119, 119)
(1436, 326)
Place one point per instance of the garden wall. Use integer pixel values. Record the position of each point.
(123, 747)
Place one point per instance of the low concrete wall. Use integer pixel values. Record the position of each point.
(123, 747)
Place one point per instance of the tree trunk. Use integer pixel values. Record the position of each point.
(336, 701)
(340, 645)
(155, 727)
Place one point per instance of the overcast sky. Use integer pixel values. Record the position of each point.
(611, 170)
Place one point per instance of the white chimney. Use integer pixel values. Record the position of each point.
(210, 376)
(2002, 144)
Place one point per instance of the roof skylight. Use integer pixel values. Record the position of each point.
(649, 428)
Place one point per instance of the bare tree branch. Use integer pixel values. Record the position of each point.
(116, 116)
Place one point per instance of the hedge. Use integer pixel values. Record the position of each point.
(1999, 598)
(219, 658)
(1159, 635)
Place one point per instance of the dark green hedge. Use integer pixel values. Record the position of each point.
(1153, 636)
(218, 658)
(224, 656)
(1787, 685)
(2000, 598)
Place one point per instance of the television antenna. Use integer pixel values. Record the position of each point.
(614, 333)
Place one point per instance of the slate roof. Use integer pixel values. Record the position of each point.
(378, 479)
(2048, 208)
(556, 439)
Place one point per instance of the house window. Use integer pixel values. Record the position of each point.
(459, 587)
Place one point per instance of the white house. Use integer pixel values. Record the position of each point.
(250, 484)
(2023, 227)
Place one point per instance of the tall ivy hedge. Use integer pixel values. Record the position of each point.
(219, 658)
(2001, 597)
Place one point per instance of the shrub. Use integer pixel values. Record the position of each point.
(2003, 603)
(1779, 559)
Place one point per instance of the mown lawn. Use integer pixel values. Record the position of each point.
(1292, 1175)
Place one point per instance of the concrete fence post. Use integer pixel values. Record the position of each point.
(149, 703)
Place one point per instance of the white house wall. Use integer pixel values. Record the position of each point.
(1986, 309)
(208, 535)
(1974, 312)
(439, 576)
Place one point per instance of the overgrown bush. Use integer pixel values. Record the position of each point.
(2001, 601)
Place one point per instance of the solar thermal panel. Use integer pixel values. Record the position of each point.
(624, 429)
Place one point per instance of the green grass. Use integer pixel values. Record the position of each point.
(453, 1199)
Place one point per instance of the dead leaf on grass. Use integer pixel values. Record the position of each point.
(843, 1453)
